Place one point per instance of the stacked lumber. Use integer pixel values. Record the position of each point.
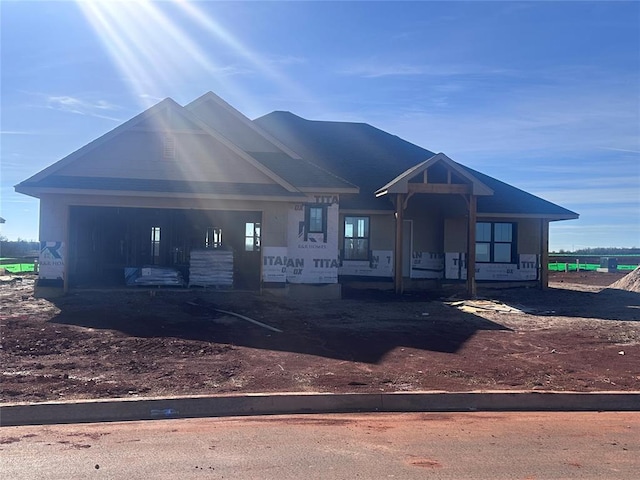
(211, 267)
(151, 276)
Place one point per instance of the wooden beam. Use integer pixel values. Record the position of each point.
(544, 253)
(406, 199)
(397, 270)
(444, 188)
(471, 247)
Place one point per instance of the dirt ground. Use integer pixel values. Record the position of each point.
(576, 336)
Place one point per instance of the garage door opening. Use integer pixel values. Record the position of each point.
(103, 241)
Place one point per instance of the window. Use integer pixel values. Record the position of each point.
(252, 237)
(155, 245)
(356, 238)
(316, 219)
(495, 242)
(213, 238)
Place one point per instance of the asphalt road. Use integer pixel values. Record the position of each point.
(374, 446)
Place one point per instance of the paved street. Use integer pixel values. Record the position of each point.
(402, 446)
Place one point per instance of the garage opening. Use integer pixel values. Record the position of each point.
(103, 241)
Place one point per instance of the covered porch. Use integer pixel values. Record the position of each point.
(436, 204)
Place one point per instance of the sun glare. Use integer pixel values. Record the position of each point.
(155, 52)
(148, 49)
(263, 66)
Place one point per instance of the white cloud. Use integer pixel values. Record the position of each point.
(17, 132)
(377, 69)
(66, 103)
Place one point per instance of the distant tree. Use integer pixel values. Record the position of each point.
(608, 251)
(18, 248)
(601, 251)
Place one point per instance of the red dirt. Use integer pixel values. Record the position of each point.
(112, 343)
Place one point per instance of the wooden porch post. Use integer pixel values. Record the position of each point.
(397, 270)
(471, 247)
(544, 253)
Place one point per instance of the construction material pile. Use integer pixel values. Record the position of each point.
(151, 276)
(630, 282)
(211, 268)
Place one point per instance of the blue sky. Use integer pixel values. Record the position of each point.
(542, 95)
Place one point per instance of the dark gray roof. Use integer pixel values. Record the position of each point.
(359, 153)
(160, 186)
(369, 158)
(299, 172)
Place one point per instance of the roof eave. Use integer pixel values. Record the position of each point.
(38, 191)
(340, 190)
(552, 217)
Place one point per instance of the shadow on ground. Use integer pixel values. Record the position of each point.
(607, 304)
(360, 330)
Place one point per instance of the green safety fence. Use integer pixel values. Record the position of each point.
(572, 267)
(19, 267)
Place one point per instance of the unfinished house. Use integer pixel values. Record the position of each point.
(203, 196)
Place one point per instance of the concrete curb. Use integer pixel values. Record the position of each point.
(130, 409)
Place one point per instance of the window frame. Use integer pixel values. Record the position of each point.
(155, 245)
(252, 236)
(355, 237)
(213, 237)
(307, 221)
(322, 211)
(492, 242)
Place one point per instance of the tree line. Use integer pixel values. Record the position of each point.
(18, 248)
(601, 251)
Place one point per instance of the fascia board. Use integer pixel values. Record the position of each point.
(38, 191)
(355, 211)
(329, 190)
(551, 217)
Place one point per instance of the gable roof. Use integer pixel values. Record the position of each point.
(370, 158)
(290, 175)
(167, 103)
(401, 182)
(264, 148)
